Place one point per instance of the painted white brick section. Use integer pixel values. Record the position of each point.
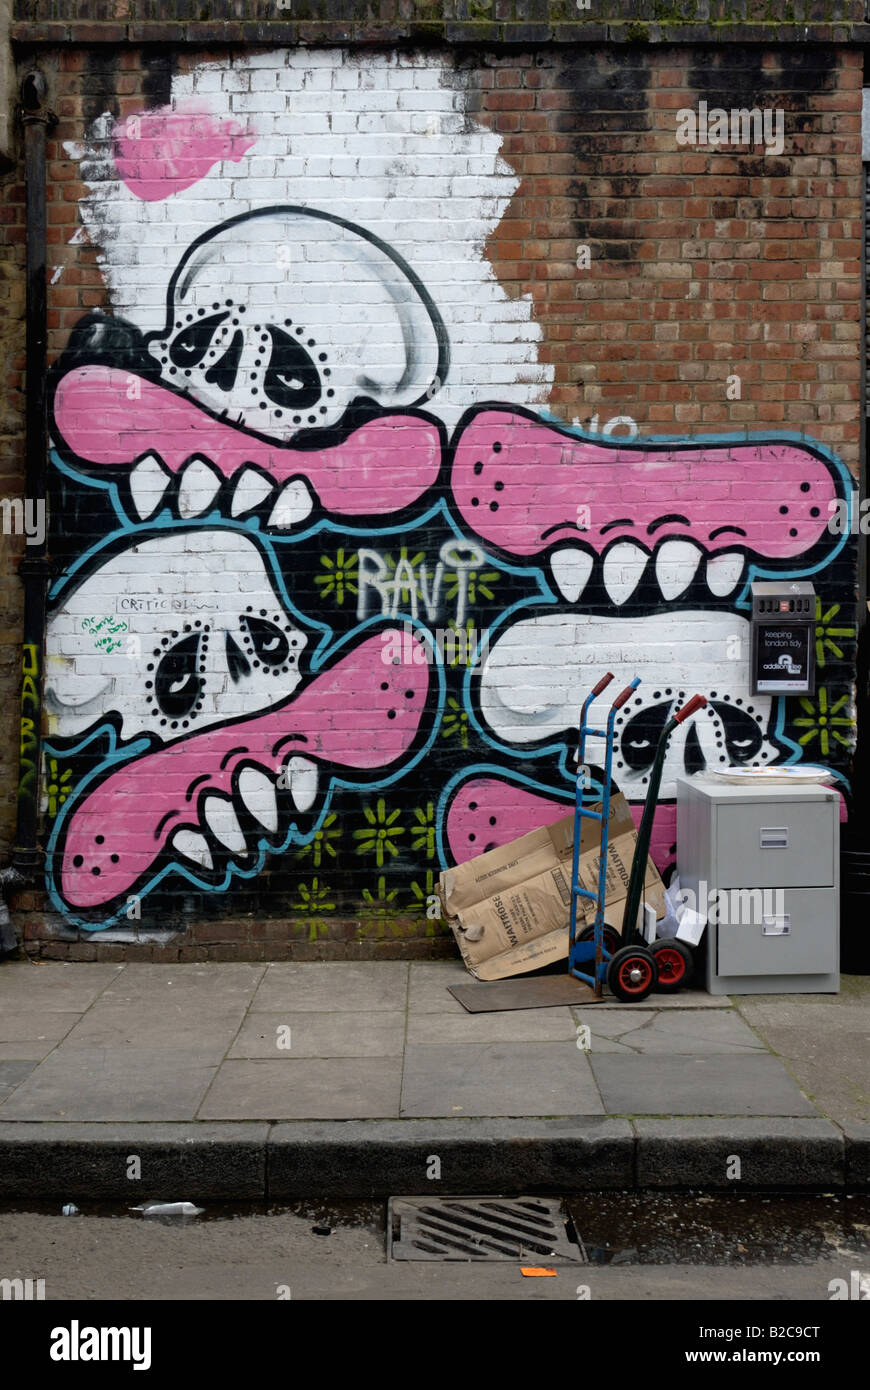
(377, 139)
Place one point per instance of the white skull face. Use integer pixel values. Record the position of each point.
(278, 320)
(173, 634)
(539, 672)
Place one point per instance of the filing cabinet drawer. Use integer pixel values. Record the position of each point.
(769, 846)
(801, 939)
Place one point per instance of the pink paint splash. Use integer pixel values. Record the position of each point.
(381, 467)
(524, 486)
(361, 713)
(165, 150)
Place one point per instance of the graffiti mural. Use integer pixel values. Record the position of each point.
(330, 601)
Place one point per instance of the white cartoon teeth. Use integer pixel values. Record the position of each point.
(301, 776)
(189, 844)
(223, 823)
(148, 482)
(251, 489)
(676, 564)
(199, 486)
(724, 572)
(257, 791)
(293, 506)
(624, 564)
(571, 569)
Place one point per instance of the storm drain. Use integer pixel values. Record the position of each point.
(480, 1228)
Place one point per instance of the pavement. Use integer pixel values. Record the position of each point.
(249, 1081)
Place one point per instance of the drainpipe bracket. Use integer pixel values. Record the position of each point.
(36, 567)
(43, 116)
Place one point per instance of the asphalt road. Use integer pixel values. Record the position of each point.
(661, 1248)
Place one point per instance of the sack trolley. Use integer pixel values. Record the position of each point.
(599, 944)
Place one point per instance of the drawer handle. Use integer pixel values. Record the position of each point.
(776, 926)
(774, 836)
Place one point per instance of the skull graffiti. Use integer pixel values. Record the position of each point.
(281, 318)
(198, 635)
(538, 671)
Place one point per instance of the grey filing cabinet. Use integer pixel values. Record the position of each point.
(778, 836)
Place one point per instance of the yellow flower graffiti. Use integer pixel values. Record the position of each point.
(340, 577)
(825, 633)
(822, 722)
(58, 787)
(377, 837)
(456, 722)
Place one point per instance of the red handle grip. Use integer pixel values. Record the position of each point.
(602, 684)
(624, 695)
(696, 702)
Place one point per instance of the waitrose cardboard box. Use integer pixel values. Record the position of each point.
(509, 908)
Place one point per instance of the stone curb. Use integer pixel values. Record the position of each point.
(256, 1161)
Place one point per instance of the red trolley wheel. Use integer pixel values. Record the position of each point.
(610, 936)
(675, 964)
(632, 973)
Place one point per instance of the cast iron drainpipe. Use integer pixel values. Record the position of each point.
(35, 568)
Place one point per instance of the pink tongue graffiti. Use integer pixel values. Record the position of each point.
(361, 713)
(487, 812)
(523, 486)
(381, 467)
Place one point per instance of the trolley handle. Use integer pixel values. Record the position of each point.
(602, 684)
(624, 695)
(697, 702)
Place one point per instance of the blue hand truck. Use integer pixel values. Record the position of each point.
(599, 943)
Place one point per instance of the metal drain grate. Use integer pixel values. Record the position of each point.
(480, 1228)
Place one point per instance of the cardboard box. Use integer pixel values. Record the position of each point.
(509, 909)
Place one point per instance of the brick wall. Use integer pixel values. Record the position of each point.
(599, 376)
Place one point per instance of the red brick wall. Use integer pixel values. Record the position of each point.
(705, 264)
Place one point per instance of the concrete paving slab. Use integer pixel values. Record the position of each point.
(333, 986)
(332, 1034)
(345, 1089)
(667, 1034)
(824, 1041)
(428, 992)
(539, 1078)
(386, 1157)
(53, 985)
(848, 1011)
(831, 1067)
(515, 1025)
(692, 1034)
(739, 1153)
(684, 999)
(36, 1025)
(220, 983)
(81, 1083)
(26, 1035)
(179, 1162)
(12, 1073)
(184, 1021)
(748, 1084)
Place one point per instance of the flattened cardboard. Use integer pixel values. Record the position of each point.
(509, 908)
